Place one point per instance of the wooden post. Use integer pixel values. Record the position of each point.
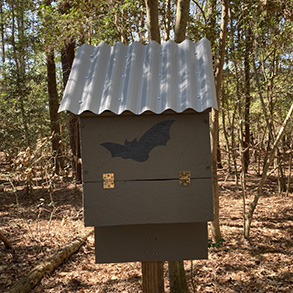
(152, 277)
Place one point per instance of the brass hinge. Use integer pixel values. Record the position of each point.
(184, 178)
(108, 180)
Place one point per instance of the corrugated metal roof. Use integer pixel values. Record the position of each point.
(141, 78)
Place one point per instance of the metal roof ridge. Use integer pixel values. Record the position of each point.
(147, 111)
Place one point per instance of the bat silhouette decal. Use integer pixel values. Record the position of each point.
(138, 150)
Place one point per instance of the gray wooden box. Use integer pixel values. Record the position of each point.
(147, 189)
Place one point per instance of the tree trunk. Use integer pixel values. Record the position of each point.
(289, 174)
(153, 20)
(20, 71)
(248, 217)
(182, 13)
(74, 136)
(211, 36)
(54, 116)
(215, 225)
(2, 32)
(177, 277)
(67, 57)
(246, 154)
(212, 24)
(27, 283)
(168, 21)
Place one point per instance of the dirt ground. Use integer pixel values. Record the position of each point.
(37, 228)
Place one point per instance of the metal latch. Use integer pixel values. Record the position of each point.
(184, 178)
(108, 180)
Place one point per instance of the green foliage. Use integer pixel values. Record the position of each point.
(32, 28)
(23, 81)
(218, 244)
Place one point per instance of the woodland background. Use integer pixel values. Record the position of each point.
(40, 154)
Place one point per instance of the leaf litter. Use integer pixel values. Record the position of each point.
(37, 228)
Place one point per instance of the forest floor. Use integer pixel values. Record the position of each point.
(37, 228)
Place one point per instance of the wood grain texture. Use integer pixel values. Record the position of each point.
(187, 150)
(152, 277)
(147, 202)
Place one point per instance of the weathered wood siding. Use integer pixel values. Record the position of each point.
(147, 192)
(151, 242)
(147, 202)
(188, 148)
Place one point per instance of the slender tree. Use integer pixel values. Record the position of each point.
(2, 32)
(182, 14)
(153, 20)
(246, 144)
(215, 225)
(249, 215)
(67, 57)
(53, 108)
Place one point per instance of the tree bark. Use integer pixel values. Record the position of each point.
(2, 33)
(248, 217)
(74, 137)
(177, 277)
(27, 283)
(153, 20)
(182, 13)
(54, 116)
(18, 55)
(289, 174)
(67, 57)
(211, 36)
(215, 225)
(246, 154)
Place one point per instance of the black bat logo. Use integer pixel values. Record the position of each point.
(138, 150)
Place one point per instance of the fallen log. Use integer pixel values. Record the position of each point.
(28, 282)
(5, 241)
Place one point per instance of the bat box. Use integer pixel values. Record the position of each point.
(147, 169)
(145, 144)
